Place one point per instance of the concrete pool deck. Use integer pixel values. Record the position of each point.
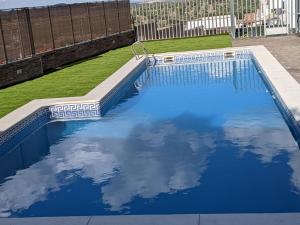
(286, 49)
(188, 219)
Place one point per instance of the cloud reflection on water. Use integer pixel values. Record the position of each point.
(135, 166)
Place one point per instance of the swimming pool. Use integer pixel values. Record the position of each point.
(178, 138)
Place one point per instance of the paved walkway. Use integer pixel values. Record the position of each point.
(191, 219)
(286, 50)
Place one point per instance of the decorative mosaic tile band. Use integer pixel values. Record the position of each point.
(88, 109)
(98, 108)
(75, 110)
(197, 57)
(22, 129)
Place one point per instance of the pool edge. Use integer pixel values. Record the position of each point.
(284, 86)
(176, 219)
(88, 102)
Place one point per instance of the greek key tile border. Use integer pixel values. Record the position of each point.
(75, 110)
(199, 57)
(93, 109)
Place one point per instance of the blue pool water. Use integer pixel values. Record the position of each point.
(197, 138)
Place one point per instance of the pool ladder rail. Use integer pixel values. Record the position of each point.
(145, 52)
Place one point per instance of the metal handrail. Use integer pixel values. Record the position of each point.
(134, 52)
(145, 51)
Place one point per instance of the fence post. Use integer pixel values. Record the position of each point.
(232, 19)
(118, 16)
(132, 22)
(297, 11)
(29, 27)
(131, 18)
(51, 29)
(264, 13)
(72, 25)
(89, 20)
(20, 35)
(103, 4)
(3, 41)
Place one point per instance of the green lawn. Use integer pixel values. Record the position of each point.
(78, 79)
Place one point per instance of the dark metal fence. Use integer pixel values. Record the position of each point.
(29, 31)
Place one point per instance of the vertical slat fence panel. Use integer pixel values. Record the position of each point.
(81, 22)
(3, 54)
(62, 26)
(29, 31)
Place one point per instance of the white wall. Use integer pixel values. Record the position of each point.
(211, 22)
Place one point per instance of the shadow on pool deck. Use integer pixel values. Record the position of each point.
(286, 49)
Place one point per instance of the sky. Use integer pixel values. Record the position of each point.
(7, 4)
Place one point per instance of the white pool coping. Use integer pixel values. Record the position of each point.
(95, 95)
